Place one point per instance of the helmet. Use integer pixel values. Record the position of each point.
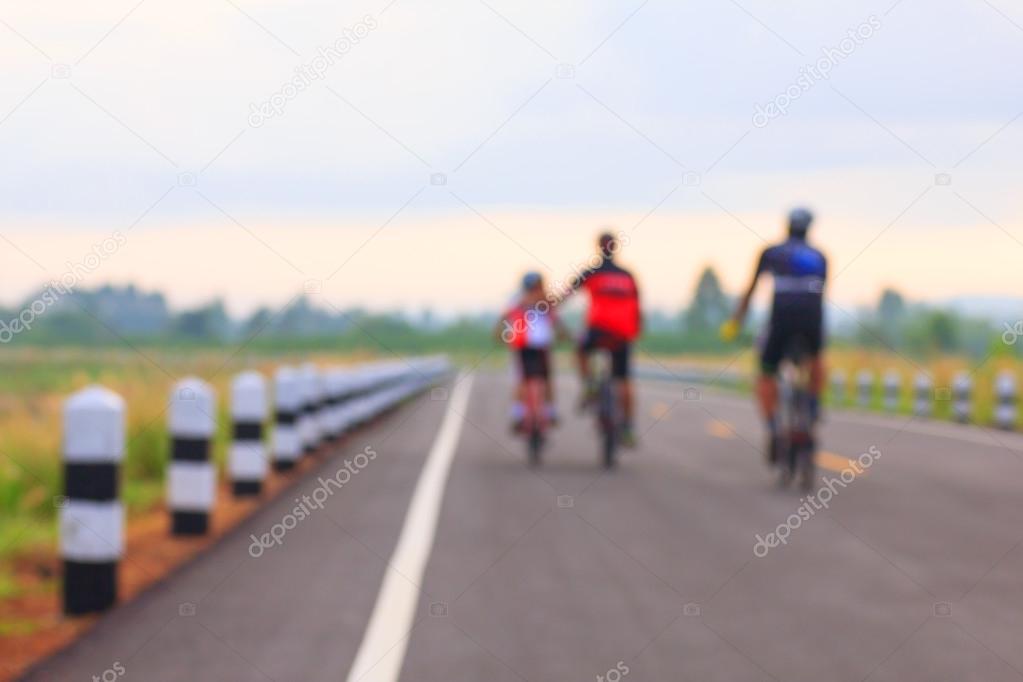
(531, 280)
(607, 242)
(799, 221)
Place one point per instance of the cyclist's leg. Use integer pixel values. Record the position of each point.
(550, 407)
(535, 416)
(585, 348)
(534, 371)
(767, 382)
(582, 355)
(583, 351)
(815, 341)
(817, 374)
(767, 395)
(770, 359)
(518, 410)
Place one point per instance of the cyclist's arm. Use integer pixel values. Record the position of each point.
(575, 284)
(743, 307)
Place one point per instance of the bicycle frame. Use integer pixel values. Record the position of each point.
(796, 443)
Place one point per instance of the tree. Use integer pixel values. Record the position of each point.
(935, 330)
(209, 322)
(944, 330)
(891, 316)
(709, 307)
(258, 323)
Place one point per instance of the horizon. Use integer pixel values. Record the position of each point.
(992, 309)
(271, 264)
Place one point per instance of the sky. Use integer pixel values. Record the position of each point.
(438, 150)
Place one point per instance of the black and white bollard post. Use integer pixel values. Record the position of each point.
(962, 386)
(91, 516)
(308, 425)
(838, 383)
(864, 387)
(248, 465)
(192, 483)
(334, 386)
(288, 401)
(923, 396)
(892, 384)
(324, 408)
(1005, 390)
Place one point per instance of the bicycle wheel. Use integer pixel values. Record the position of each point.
(785, 476)
(607, 423)
(807, 466)
(610, 447)
(535, 446)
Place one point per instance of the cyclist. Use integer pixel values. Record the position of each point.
(531, 327)
(797, 314)
(613, 322)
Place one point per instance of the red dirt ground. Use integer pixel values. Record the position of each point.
(150, 554)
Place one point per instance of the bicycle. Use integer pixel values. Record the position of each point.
(609, 411)
(535, 422)
(795, 442)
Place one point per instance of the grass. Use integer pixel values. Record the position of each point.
(33, 386)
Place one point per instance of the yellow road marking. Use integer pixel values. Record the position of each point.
(720, 429)
(838, 463)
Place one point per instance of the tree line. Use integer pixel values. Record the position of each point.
(110, 314)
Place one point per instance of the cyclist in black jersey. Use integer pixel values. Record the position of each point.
(797, 314)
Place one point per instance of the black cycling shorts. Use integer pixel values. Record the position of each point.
(790, 329)
(620, 349)
(534, 363)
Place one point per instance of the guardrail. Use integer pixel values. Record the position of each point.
(312, 407)
(888, 391)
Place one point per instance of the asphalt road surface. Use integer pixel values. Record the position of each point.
(445, 558)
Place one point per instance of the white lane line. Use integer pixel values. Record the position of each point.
(383, 647)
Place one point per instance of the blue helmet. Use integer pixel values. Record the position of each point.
(531, 280)
(799, 221)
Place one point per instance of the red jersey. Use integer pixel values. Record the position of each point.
(528, 327)
(614, 300)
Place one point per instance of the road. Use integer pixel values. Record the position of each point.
(912, 572)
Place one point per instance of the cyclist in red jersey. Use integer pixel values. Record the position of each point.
(613, 323)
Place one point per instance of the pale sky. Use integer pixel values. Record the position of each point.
(546, 120)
